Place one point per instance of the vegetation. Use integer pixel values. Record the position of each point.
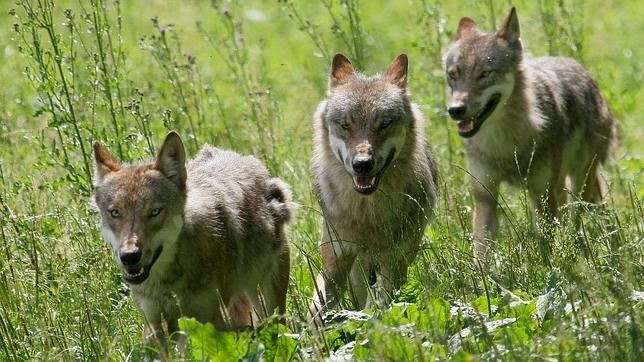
(248, 76)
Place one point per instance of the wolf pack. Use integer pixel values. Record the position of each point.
(207, 238)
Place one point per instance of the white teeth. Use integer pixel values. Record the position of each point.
(137, 274)
(361, 185)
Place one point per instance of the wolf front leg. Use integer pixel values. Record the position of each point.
(361, 279)
(158, 327)
(281, 280)
(337, 260)
(587, 185)
(393, 274)
(240, 311)
(270, 296)
(546, 190)
(484, 218)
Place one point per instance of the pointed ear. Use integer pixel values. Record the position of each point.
(397, 71)
(466, 28)
(510, 30)
(105, 163)
(171, 160)
(341, 71)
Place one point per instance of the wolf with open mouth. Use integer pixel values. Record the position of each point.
(375, 179)
(206, 240)
(525, 120)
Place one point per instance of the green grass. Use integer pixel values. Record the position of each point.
(249, 78)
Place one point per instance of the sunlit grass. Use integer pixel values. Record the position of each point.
(249, 78)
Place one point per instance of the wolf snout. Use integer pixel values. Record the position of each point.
(362, 164)
(130, 257)
(457, 110)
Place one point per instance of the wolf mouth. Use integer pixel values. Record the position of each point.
(468, 128)
(139, 275)
(367, 185)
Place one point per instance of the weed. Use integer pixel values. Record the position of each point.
(248, 76)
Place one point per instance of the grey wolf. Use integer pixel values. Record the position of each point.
(206, 241)
(375, 180)
(533, 121)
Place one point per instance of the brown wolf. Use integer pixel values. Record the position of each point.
(524, 120)
(375, 179)
(207, 242)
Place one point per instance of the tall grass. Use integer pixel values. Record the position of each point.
(248, 76)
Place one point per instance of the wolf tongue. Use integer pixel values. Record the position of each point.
(465, 126)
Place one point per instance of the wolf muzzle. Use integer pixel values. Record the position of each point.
(457, 110)
(366, 183)
(135, 273)
(362, 164)
(468, 125)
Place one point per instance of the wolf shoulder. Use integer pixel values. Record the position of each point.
(234, 185)
(215, 166)
(572, 87)
(566, 71)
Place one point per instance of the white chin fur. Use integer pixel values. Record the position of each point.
(337, 145)
(109, 236)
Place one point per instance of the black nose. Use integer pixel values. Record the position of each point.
(130, 257)
(457, 111)
(362, 165)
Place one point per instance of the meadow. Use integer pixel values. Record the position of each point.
(247, 75)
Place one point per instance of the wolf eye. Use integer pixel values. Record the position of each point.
(114, 213)
(343, 125)
(155, 212)
(451, 75)
(485, 74)
(386, 123)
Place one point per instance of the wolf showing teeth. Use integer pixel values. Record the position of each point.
(375, 179)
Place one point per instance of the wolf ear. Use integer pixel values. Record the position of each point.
(105, 163)
(171, 160)
(466, 28)
(341, 71)
(510, 30)
(397, 71)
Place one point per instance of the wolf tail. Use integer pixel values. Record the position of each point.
(278, 195)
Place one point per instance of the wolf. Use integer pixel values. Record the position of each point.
(375, 179)
(206, 241)
(533, 121)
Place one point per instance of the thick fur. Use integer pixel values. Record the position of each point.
(376, 234)
(551, 123)
(224, 257)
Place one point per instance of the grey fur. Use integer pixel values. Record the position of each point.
(223, 236)
(379, 233)
(551, 123)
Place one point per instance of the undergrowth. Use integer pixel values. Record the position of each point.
(248, 76)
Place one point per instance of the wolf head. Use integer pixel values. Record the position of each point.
(481, 70)
(367, 119)
(141, 206)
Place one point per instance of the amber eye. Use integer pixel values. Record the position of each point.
(114, 213)
(155, 212)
